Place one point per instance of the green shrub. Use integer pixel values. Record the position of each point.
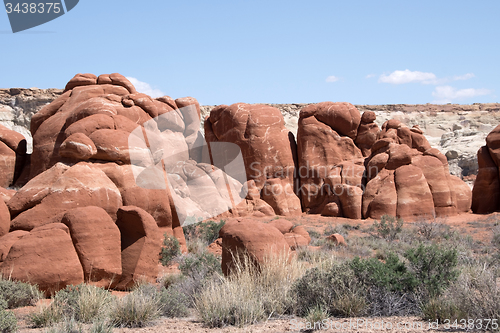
(137, 309)
(202, 264)
(85, 303)
(388, 227)
(8, 321)
(170, 249)
(209, 231)
(335, 289)
(189, 231)
(18, 294)
(434, 267)
(391, 275)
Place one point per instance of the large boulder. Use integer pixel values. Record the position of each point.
(257, 240)
(45, 257)
(97, 242)
(140, 246)
(267, 147)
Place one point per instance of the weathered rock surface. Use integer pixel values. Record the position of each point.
(96, 238)
(486, 191)
(140, 246)
(329, 162)
(267, 148)
(46, 257)
(408, 178)
(256, 239)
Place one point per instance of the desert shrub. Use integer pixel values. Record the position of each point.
(388, 227)
(390, 285)
(68, 325)
(433, 266)
(341, 230)
(136, 309)
(432, 229)
(101, 326)
(496, 238)
(170, 249)
(200, 265)
(189, 231)
(8, 321)
(18, 294)
(474, 294)
(173, 302)
(85, 303)
(334, 288)
(316, 315)
(168, 280)
(391, 275)
(209, 231)
(250, 294)
(46, 315)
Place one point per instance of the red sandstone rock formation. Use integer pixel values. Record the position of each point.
(486, 191)
(330, 164)
(13, 154)
(267, 147)
(407, 178)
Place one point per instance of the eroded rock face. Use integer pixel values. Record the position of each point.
(267, 148)
(486, 191)
(329, 162)
(46, 198)
(407, 178)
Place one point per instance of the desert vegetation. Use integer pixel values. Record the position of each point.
(423, 269)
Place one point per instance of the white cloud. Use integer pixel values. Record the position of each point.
(407, 76)
(463, 77)
(447, 94)
(369, 76)
(332, 78)
(145, 88)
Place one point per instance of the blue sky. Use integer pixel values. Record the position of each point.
(222, 52)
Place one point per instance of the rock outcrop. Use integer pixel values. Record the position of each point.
(329, 162)
(267, 147)
(408, 178)
(486, 191)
